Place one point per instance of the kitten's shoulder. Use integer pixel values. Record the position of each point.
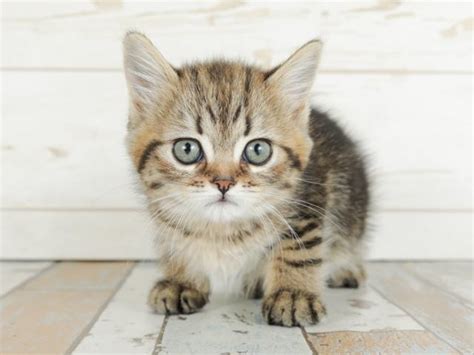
(325, 130)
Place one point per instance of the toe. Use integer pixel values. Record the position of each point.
(292, 308)
(168, 297)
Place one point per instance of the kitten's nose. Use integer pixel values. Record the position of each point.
(224, 183)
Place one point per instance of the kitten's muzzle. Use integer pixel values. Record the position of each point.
(224, 183)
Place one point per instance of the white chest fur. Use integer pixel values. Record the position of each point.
(226, 263)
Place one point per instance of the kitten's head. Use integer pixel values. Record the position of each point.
(218, 141)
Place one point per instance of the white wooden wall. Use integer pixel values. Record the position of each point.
(398, 74)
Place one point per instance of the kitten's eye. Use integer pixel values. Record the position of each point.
(187, 151)
(258, 152)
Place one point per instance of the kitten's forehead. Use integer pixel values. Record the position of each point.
(220, 99)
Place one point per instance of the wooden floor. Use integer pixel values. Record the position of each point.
(99, 307)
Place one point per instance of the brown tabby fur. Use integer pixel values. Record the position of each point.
(297, 222)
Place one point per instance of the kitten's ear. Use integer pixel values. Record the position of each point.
(295, 76)
(148, 73)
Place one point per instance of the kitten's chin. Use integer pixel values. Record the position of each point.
(224, 211)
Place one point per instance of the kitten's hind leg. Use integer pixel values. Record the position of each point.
(350, 277)
(345, 266)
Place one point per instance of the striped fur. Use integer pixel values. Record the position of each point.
(280, 227)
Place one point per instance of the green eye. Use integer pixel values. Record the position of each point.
(258, 152)
(187, 151)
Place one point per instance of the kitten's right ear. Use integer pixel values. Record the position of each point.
(294, 77)
(148, 74)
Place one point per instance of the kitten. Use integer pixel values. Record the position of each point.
(247, 184)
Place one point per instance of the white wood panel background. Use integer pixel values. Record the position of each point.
(397, 74)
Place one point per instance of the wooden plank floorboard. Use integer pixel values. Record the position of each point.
(379, 342)
(13, 274)
(127, 325)
(361, 309)
(95, 307)
(441, 313)
(229, 326)
(82, 276)
(452, 277)
(48, 314)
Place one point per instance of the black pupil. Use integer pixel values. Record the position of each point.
(257, 148)
(187, 147)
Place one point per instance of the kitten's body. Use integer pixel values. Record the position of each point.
(279, 229)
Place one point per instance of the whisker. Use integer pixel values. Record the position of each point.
(294, 235)
(319, 210)
(315, 182)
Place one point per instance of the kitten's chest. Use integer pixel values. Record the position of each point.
(226, 267)
(225, 258)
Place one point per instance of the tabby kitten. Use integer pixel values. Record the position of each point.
(250, 188)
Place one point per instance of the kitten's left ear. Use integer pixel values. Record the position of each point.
(149, 75)
(295, 76)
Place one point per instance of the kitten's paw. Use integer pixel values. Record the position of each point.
(344, 278)
(292, 308)
(170, 297)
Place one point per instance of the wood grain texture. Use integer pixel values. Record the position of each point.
(361, 310)
(451, 277)
(229, 326)
(66, 276)
(124, 235)
(50, 313)
(61, 311)
(379, 342)
(126, 325)
(440, 313)
(362, 35)
(236, 326)
(79, 158)
(13, 274)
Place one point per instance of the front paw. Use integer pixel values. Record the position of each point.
(292, 308)
(171, 297)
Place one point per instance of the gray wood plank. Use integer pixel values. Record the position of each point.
(127, 325)
(441, 313)
(362, 310)
(226, 326)
(453, 277)
(14, 273)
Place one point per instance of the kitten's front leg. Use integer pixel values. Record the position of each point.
(178, 292)
(293, 280)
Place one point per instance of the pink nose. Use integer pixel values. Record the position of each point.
(224, 183)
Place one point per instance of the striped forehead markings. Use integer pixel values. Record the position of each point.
(198, 124)
(211, 113)
(211, 72)
(237, 113)
(248, 125)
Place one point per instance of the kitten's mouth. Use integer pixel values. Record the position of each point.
(222, 202)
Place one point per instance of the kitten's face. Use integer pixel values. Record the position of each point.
(218, 141)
